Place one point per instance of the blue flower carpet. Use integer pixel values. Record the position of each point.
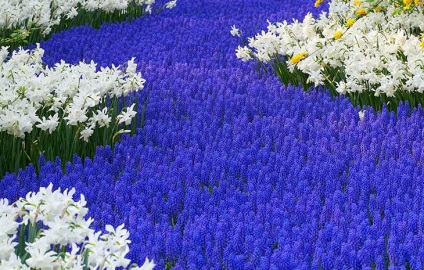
(230, 169)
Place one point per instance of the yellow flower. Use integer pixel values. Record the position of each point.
(377, 9)
(407, 2)
(296, 58)
(318, 3)
(357, 3)
(338, 35)
(350, 22)
(361, 11)
(407, 7)
(422, 41)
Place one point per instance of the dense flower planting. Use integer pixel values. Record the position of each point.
(371, 51)
(231, 170)
(60, 110)
(293, 181)
(31, 21)
(45, 109)
(71, 91)
(48, 230)
(47, 13)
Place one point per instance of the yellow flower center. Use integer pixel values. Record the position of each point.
(357, 3)
(338, 35)
(377, 9)
(296, 58)
(318, 3)
(350, 22)
(361, 12)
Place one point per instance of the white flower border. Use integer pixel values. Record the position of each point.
(59, 222)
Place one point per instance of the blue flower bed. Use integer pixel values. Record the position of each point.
(231, 170)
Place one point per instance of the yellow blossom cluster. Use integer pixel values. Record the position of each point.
(297, 57)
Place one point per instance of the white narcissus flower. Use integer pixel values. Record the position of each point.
(243, 53)
(99, 251)
(41, 257)
(49, 124)
(341, 87)
(361, 114)
(73, 259)
(126, 117)
(235, 31)
(131, 67)
(315, 77)
(171, 4)
(59, 232)
(75, 115)
(7, 246)
(73, 12)
(148, 265)
(8, 225)
(18, 119)
(117, 240)
(86, 133)
(101, 118)
(13, 262)
(9, 229)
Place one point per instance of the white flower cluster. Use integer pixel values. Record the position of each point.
(64, 92)
(371, 45)
(63, 239)
(47, 13)
(171, 4)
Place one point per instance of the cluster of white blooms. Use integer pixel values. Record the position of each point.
(358, 46)
(61, 236)
(64, 92)
(171, 4)
(47, 13)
